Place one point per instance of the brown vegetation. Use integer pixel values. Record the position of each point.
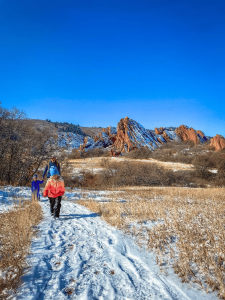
(22, 148)
(184, 227)
(96, 152)
(16, 230)
(130, 171)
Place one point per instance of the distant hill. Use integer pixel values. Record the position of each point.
(129, 135)
(67, 127)
(91, 131)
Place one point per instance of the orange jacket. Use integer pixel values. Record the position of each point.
(54, 188)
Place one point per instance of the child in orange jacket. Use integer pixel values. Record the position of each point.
(54, 189)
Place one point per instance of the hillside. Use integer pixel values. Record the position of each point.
(129, 135)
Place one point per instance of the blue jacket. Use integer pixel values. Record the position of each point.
(35, 186)
(48, 166)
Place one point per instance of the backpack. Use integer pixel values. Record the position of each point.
(57, 164)
(53, 170)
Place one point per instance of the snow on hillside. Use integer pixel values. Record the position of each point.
(172, 135)
(130, 135)
(70, 140)
(139, 136)
(79, 256)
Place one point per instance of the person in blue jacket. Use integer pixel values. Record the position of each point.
(52, 163)
(35, 188)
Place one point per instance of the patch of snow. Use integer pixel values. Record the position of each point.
(70, 140)
(9, 196)
(214, 171)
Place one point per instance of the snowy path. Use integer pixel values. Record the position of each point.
(82, 254)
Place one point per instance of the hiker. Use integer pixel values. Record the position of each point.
(35, 188)
(54, 189)
(53, 162)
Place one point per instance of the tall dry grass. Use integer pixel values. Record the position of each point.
(184, 227)
(16, 230)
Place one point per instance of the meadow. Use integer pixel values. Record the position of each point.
(183, 226)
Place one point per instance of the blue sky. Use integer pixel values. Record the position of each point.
(92, 63)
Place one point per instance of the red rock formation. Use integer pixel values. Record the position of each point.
(218, 142)
(187, 134)
(200, 133)
(114, 153)
(131, 135)
(108, 131)
(166, 137)
(161, 142)
(158, 131)
(82, 146)
(123, 140)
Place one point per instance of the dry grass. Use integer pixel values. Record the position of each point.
(89, 164)
(184, 227)
(16, 230)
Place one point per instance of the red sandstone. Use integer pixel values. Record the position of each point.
(218, 142)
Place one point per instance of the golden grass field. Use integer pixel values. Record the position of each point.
(16, 230)
(185, 227)
(95, 163)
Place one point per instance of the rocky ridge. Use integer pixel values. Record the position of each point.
(131, 135)
(181, 134)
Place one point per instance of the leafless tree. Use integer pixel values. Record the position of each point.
(23, 148)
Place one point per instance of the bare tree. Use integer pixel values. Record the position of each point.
(23, 148)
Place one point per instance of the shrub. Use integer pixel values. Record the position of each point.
(201, 164)
(141, 153)
(220, 178)
(16, 230)
(96, 152)
(75, 154)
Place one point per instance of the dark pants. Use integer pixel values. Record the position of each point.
(55, 205)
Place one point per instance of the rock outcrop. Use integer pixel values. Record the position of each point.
(181, 134)
(189, 134)
(114, 153)
(131, 135)
(88, 142)
(218, 142)
(158, 131)
(104, 139)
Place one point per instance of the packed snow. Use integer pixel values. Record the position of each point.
(80, 256)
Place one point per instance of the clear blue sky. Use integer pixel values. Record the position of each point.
(92, 62)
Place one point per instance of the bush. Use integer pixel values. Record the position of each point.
(141, 153)
(75, 154)
(134, 174)
(202, 164)
(96, 152)
(221, 170)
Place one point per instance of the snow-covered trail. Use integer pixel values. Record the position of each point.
(82, 254)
